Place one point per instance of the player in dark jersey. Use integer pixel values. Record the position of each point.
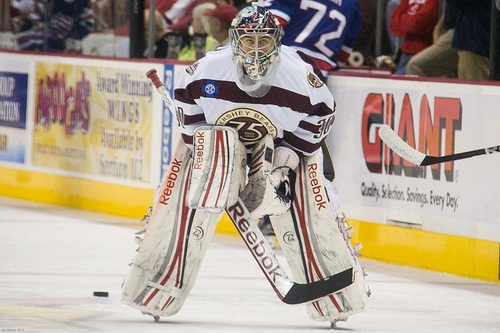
(53, 26)
(325, 30)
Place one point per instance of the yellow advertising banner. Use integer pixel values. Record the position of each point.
(93, 120)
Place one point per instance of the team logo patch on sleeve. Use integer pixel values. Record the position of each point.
(313, 80)
(209, 89)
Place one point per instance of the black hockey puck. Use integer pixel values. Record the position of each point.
(101, 293)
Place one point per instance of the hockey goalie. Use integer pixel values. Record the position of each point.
(253, 117)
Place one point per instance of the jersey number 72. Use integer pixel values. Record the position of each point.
(321, 11)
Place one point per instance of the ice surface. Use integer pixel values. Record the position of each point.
(52, 259)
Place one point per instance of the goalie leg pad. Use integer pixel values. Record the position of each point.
(219, 168)
(316, 245)
(176, 239)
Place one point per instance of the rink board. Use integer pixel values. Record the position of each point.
(94, 134)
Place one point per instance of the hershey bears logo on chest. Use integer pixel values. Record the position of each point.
(251, 125)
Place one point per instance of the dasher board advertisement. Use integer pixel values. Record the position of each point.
(93, 120)
(436, 118)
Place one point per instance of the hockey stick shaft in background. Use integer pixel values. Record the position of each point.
(393, 141)
(287, 290)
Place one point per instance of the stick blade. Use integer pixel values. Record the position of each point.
(303, 293)
(393, 141)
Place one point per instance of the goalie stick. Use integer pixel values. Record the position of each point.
(393, 141)
(153, 76)
(288, 291)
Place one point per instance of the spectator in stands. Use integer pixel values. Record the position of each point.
(178, 11)
(184, 18)
(199, 39)
(327, 39)
(414, 21)
(217, 22)
(472, 38)
(52, 26)
(27, 25)
(161, 36)
(207, 16)
(178, 19)
(162, 6)
(180, 15)
(463, 49)
(209, 29)
(440, 59)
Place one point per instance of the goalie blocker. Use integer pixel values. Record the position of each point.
(189, 202)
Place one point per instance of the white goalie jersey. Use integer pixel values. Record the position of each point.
(297, 112)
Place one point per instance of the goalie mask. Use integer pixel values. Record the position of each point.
(255, 36)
